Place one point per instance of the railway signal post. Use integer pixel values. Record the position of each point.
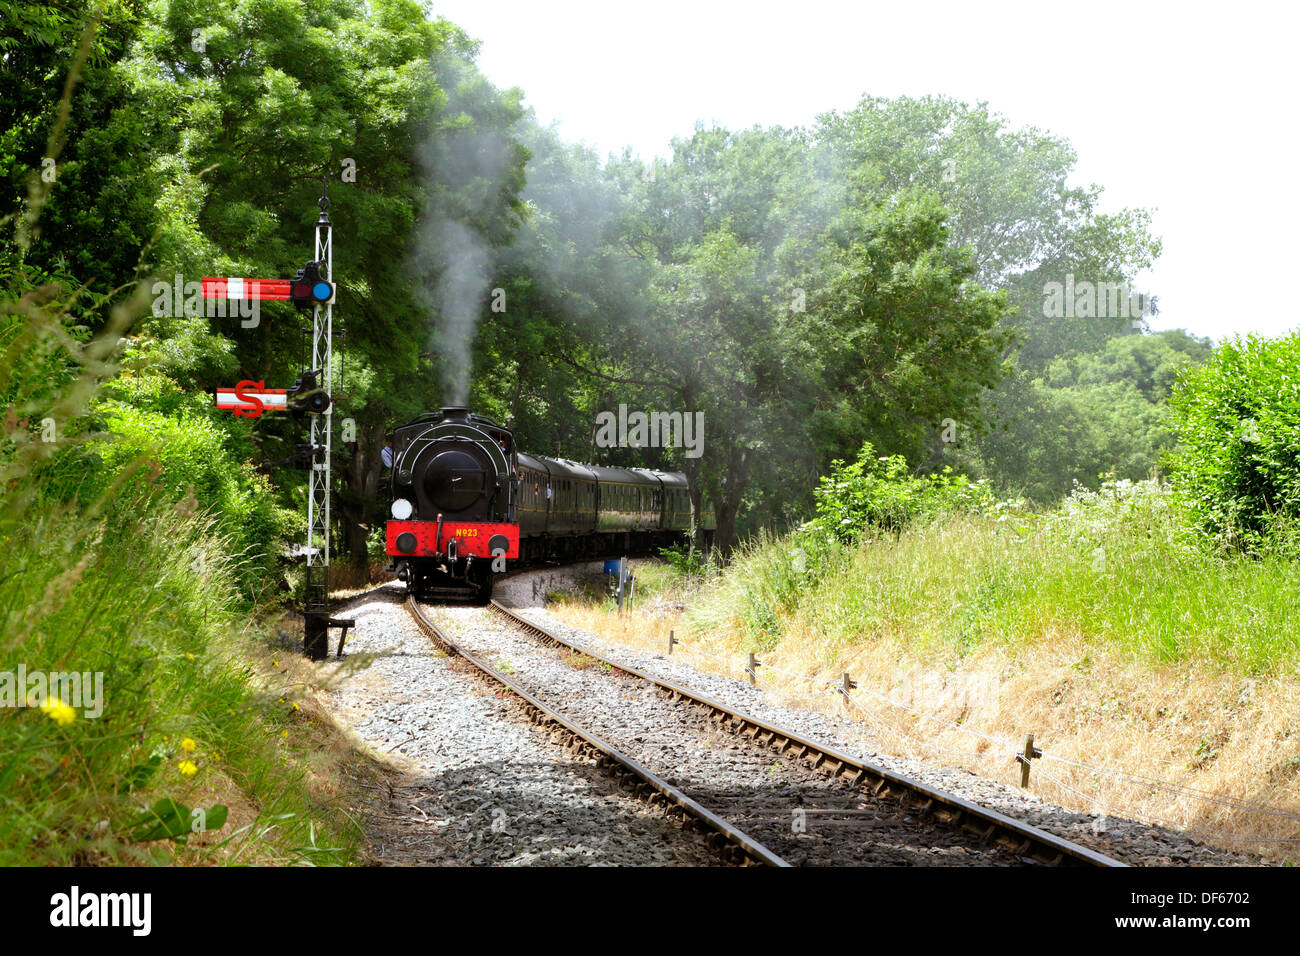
(318, 278)
(313, 287)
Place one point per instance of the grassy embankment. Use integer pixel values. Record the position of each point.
(107, 571)
(1105, 629)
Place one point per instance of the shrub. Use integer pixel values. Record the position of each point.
(769, 577)
(881, 494)
(184, 455)
(690, 562)
(1238, 419)
(110, 571)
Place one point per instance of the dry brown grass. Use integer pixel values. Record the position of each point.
(348, 580)
(1190, 725)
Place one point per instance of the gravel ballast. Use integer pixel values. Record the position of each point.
(480, 785)
(803, 815)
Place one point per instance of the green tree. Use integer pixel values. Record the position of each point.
(800, 323)
(1086, 415)
(96, 194)
(247, 104)
(1151, 363)
(1010, 201)
(1048, 438)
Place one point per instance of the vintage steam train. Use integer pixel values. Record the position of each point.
(463, 495)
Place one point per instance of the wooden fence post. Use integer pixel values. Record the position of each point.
(1024, 761)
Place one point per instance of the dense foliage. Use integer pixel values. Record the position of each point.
(875, 277)
(1238, 421)
(119, 579)
(1121, 568)
(881, 494)
(873, 285)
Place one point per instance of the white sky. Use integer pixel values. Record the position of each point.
(1187, 108)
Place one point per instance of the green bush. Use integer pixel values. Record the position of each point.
(158, 441)
(1238, 419)
(377, 542)
(690, 562)
(770, 577)
(881, 494)
(1120, 567)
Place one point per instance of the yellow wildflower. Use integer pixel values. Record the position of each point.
(187, 768)
(188, 744)
(58, 711)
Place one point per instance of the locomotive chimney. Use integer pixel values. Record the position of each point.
(455, 413)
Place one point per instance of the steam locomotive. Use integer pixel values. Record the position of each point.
(465, 500)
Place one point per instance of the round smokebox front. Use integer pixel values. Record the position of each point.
(455, 480)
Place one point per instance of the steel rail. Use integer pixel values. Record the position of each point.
(1019, 837)
(650, 785)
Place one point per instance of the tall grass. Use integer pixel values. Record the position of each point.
(139, 591)
(1117, 567)
(104, 572)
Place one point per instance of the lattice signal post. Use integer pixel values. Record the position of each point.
(316, 614)
(313, 288)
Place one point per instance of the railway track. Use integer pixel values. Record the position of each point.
(729, 842)
(814, 805)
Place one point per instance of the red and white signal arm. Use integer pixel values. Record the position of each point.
(235, 287)
(305, 291)
(249, 399)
